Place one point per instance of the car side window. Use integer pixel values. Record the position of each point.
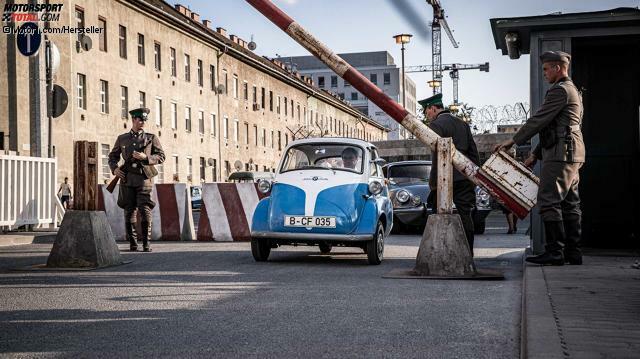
(374, 171)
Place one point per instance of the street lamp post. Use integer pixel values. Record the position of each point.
(403, 39)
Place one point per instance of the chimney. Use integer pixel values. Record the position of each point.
(221, 31)
(234, 38)
(181, 9)
(195, 17)
(206, 23)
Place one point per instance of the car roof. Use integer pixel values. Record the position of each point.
(340, 140)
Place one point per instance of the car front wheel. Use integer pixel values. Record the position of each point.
(260, 249)
(375, 247)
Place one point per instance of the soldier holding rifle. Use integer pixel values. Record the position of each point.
(140, 151)
(561, 148)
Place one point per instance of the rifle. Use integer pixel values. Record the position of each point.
(114, 182)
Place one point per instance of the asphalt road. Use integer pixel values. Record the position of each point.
(214, 300)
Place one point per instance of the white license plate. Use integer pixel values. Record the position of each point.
(310, 221)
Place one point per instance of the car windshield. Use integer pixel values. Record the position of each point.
(323, 156)
(409, 173)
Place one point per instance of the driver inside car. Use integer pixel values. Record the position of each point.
(349, 158)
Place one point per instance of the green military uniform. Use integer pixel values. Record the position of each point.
(135, 189)
(562, 150)
(464, 191)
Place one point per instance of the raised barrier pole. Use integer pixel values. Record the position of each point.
(499, 186)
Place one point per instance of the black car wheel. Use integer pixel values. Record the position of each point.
(260, 249)
(375, 247)
(325, 248)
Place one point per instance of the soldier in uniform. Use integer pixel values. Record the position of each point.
(445, 124)
(140, 151)
(562, 151)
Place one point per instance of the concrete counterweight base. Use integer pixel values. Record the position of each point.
(84, 240)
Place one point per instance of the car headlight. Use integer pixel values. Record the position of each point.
(402, 196)
(264, 186)
(416, 200)
(375, 188)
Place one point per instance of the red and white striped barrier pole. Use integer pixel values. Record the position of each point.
(389, 106)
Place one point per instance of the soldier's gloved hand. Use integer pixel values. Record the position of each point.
(530, 161)
(119, 173)
(503, 146)
(140, 156)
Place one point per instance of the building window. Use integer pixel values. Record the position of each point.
(354, 96)
(202, 173)
(143, 99)
(235, 131)
(226, 81)
(255, 134)
(157, 56)
(80, 21)
(141, 49)
(104, 159)
(212, 77)
(225, 128)
(262, 97)
(176, 169)
(279, 141)
(189, 169)
(123, 41)
(271, 101)
(291, 108)
(245, 90)
(373, 78)
(321, 82)
(160, 177)
(187, 118)
(172, 59)
(264, 137)
(285, 106)
(254, 93)
(82, 91)
(235, 86)
(214, 170)
(124, 101)
(271, 138)
(334, 81)
(158, 111)
(174, 115)
(214, 125)
(227, 169)
(341, 95)
(187, 68)
(346, 83)
(298, 108)
(200, 74)
(201, 122)
(104, 96)
(278, 107)
(386, 78)
(246, 133)
(102, 36)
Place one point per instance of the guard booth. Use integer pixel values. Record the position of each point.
(605, 49)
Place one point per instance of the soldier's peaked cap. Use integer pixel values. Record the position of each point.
(430, 101)
(140, 113)
(555, 56)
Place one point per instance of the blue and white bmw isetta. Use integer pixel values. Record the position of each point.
(327, 192)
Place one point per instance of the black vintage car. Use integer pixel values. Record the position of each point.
(409, 190)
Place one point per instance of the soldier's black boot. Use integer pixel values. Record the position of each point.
(145, 235)
(132, 236)
(554, 233)
(572, 232)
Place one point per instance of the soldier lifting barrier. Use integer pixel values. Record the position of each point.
(508, 182)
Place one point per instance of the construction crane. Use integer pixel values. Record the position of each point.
(439, 22)
(453, 72)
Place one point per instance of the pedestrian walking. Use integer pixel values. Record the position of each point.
(64, 192)
(558, 122)
(445, 124)
(140, 151)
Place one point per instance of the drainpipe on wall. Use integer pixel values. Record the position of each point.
(219, 169)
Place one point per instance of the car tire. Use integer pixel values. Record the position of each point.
(375, 247)
(260, 249)
(325, 248)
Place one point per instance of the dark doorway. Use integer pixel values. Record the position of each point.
(607, 70)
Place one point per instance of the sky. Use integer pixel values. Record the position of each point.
(369, 25)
